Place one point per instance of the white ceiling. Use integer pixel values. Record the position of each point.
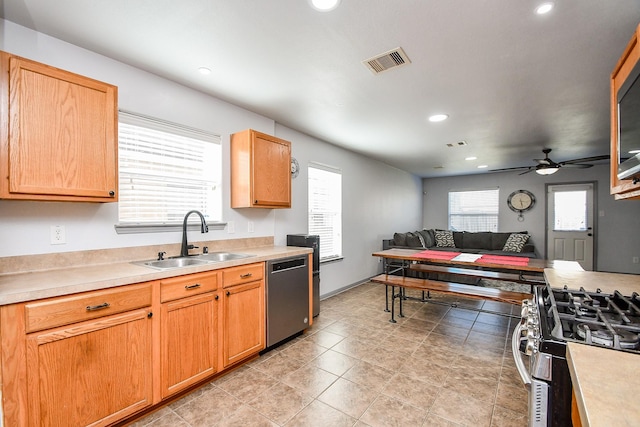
(511, 81)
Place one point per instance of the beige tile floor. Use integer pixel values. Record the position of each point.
(438, 366)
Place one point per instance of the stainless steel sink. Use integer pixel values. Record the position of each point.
(166, 264)
(178, 262)
(222, 256)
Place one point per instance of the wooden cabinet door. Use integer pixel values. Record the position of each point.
(271, 179)
(243, 321)
(260, 171)
(62, 135)
(92, 373)
(189, 341)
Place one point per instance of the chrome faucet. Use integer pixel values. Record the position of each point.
(184, 251)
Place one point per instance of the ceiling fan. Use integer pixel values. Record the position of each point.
(547, 166)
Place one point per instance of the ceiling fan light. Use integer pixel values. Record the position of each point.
(546, 171)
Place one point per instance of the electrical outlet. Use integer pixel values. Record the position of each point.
(58, 235)
(250, 227)
(635, 259)
(231, 227)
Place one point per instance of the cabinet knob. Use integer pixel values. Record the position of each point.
(112, 193)
(150, 315)
(216, 298)
(228, 293)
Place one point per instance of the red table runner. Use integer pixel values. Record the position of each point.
(437, 254)
(503, 259)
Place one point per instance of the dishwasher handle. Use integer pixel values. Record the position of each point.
(289, 264)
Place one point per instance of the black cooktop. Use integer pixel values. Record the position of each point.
(596, 318)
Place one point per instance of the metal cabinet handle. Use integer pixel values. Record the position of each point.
(98, 307)
(190, 287)
(244, 276)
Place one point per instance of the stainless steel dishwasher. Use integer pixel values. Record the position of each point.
(287, 298)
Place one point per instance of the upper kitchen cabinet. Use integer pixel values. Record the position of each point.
(260, 171)
(625, 127)
(58, 139)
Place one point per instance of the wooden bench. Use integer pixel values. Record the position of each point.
(470, 291)
(482, 274)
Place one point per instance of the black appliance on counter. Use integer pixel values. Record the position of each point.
(310, 241)
(554, 317)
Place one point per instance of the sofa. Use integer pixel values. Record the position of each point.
(495, 243)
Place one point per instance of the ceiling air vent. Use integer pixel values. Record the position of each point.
(392, 59)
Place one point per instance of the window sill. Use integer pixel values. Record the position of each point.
(163, 227)
(328, 260)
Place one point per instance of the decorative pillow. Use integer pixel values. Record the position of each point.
(413, 240)
(444, 239)
(427, 236)
(400, 239)
(515, 242)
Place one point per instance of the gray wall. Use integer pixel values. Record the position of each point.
(618, 222)
(378, 199)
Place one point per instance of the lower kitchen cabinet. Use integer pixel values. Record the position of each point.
(189, 341)
(243, 325)
(92, 373)
(96, 358)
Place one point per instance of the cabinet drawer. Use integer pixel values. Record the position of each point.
(189, 285)
(61, 311)
(242, 274)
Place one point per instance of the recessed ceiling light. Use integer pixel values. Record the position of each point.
(324, 5)
(438, 117)
(204, 71)
(470, 158)
(544, 8)
(483, 166)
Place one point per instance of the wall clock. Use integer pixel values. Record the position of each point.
(295, 167)
(521, 201)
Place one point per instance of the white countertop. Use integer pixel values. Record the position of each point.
(21, 287)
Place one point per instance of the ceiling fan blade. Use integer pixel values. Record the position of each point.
(576, 165)
(586, 159)
(510, 169)
(530, 170)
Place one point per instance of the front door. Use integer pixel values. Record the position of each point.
(570, 229)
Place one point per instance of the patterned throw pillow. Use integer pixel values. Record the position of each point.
(515, 242)
(444, 239)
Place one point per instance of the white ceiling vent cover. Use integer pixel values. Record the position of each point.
(392, 59)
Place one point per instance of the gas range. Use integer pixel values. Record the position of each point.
(597, 318)
(556, 316)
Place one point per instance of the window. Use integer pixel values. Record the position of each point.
(473, 210)
(325, 209)
(166, 170)
(570, 210)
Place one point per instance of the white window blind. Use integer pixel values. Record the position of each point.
(325, 209)
(474, 210)
(166, 170)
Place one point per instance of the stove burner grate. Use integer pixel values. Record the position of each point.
(619, 339)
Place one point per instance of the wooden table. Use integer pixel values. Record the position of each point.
(535, 265)
(530, 273)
